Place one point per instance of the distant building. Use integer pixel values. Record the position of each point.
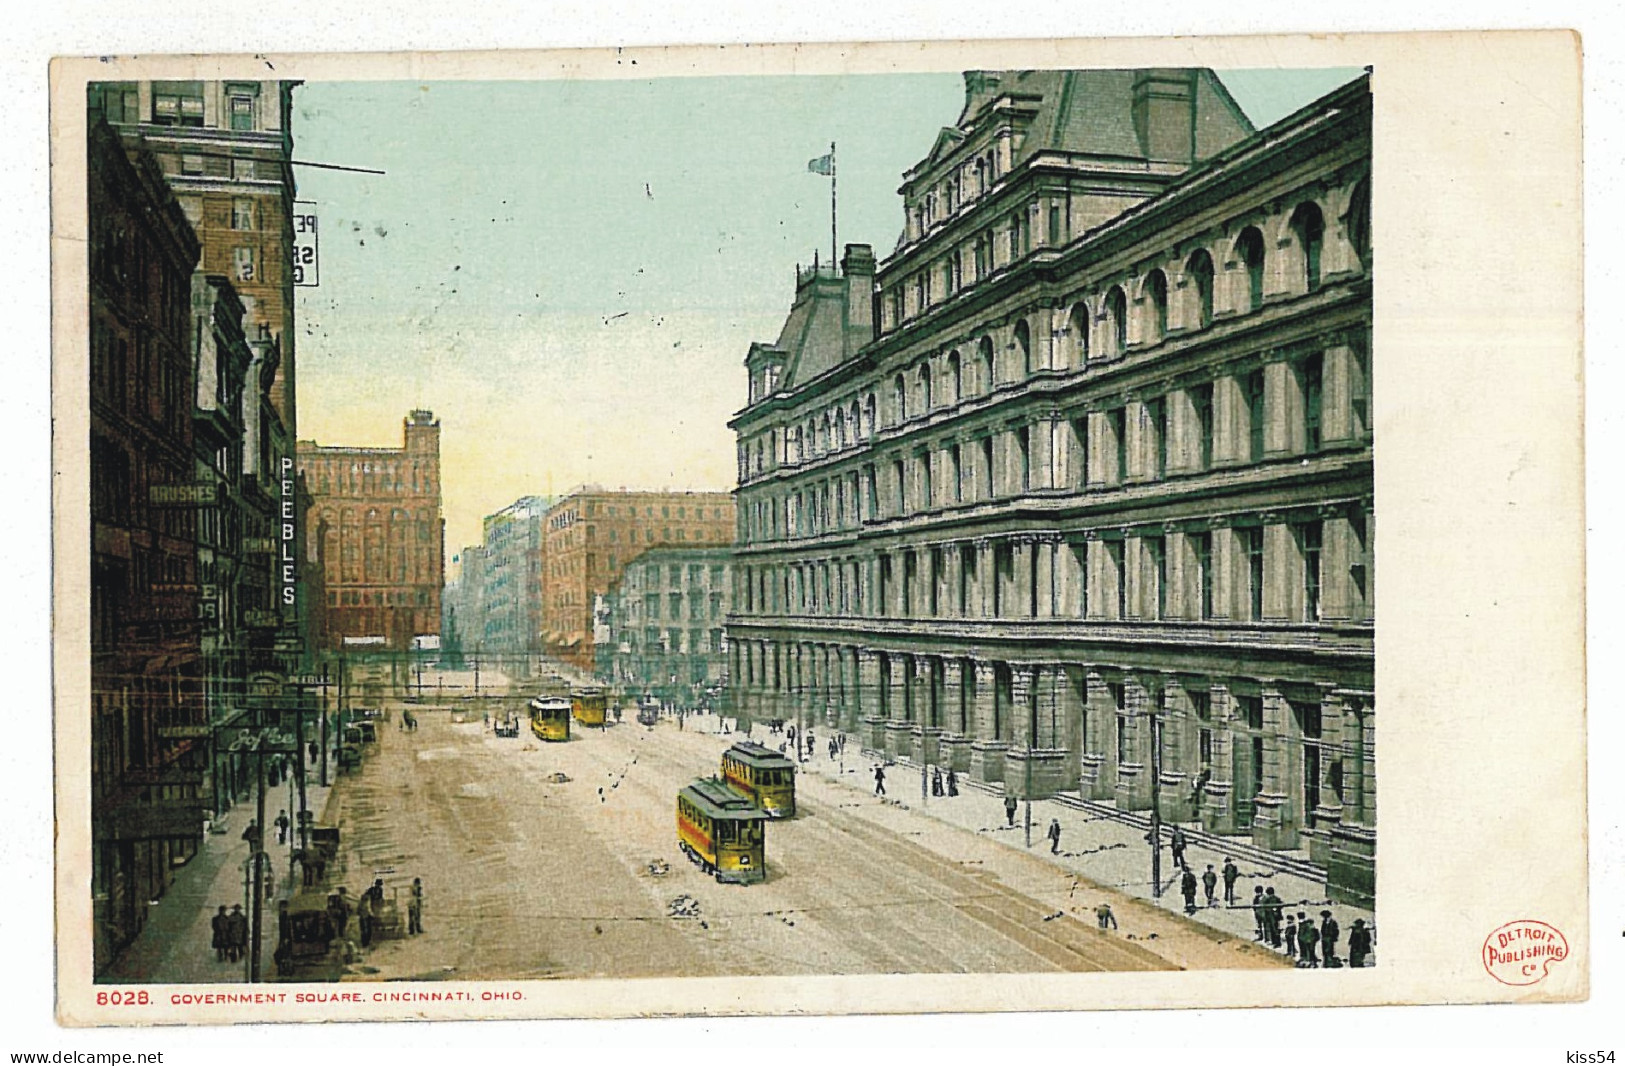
(665, 621)
(149, 721)
(510, 619)
(593, 534)
(1092, 509)
(383, 536)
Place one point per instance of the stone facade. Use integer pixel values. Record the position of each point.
(1102, 475)
(377, 511)
(666, 622)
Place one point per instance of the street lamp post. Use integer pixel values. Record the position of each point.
(1156, 806)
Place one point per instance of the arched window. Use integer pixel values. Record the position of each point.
(1250, 250)
(854, 423)
(1077, 327)
(1199, 269)
(1156, 295)
(1310, 228)
(1024, 344)
(1117, 319)
(955, 378)
(1357, 221)
(899, 398)
(826, 436)
(925, 385)
(984, 357)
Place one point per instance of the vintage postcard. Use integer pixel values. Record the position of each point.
(816, 529)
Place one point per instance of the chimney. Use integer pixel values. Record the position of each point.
(858, 267)
(1165, 114)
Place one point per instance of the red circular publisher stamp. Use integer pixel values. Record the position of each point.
(1520, 952)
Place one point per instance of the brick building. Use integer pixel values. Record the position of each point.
(592, 534)
(377, 511)
(1094, 500)
(148, 717)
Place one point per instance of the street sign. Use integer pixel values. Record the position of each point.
(187, 494)
(306, 257)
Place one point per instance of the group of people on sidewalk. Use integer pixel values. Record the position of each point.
(229, 933)
(1312, 945)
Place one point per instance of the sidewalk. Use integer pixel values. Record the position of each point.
(174, 945)
(1098, 843)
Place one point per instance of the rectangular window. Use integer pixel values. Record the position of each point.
(1309, 546)
(1156, 423)
(1055, 224)
(1313, 394)
(954, 473)
(927, 480)
(987, 464)
(1114, 559)
(1157, 558)
(1202, 401)
(1024, 443)
(191, 164)
(1117, 424)
(242, 264)
(1253, 393)
(242, 112)
(1253, 544)
(1203, 544)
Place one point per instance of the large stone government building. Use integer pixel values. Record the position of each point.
(1086, 465)
(377, 514)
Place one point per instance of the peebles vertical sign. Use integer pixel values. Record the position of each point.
(286, 554)
(306, 257)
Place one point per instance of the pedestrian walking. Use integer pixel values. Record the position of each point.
(1104, 915)
(790, 735)
(1359, 943)
(841, 740)
(1230, 874)
(1054, 836)
(282, 824)
(251, 836)
(1273, 907)
(834, 749)
(1197, 791)
(953, 782)
(1289, 934)
(880, 780)
(219, 924)
(1210, 886)
(414, 908)
(936, 781)
(315, 751)
(1010, 810)
(236, 932)
(338, 906)
(810, 748)
(1329, 935)
(1258, 913)
(1187, 888)
(1176, 844)
(363, 916)
(1308, 938)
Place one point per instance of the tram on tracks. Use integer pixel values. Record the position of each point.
(588, 703)
(765, 777)
(722, 832)
(550, 718)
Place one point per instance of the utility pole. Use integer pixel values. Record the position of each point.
(1156, 807)
(258, 844)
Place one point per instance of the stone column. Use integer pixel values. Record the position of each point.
(1283, 413)
(1328, 812)
(1229, 422)
(1134, 424)
(1178, 752)
(869, 712)
(1022, 550)
(927, 711)
(986, 574)
(1041, 456)
(954, 745)
(1219, 797)
(987, 750)
(1283, 585)
(1276, 819)
(1351, 858)
(1134, 772)
(1070, 575)
(950, 603)
(1045, 575)
(898, 726)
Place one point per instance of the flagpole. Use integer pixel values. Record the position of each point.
(834, 258)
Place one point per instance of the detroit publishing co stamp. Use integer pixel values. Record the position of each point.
(1523, 952)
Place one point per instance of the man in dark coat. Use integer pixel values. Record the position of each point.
(1359, 943)
(338, 905)
(953, 782)
(220, 923)
(1210, 886)
(1054, 836)
(1308, 937)
(414, 908)
(1187, 888)
(880, 780)
(236, 932)
(1329, 935)
(1010, 810)
(363, 917)
(1259, 919)
(1290, 935)
(1230, 874)
(1176, 844)
(1272, 917)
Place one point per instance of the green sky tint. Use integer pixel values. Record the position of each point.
(569, 272)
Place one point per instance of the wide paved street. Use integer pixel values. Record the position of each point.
(528, 875)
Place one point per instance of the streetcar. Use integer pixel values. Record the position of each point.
(550, 718)
(722, 832)
(587, 703)
(764, 776)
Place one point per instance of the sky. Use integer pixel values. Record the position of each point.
(569, 273)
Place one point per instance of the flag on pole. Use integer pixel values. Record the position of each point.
(824, 164)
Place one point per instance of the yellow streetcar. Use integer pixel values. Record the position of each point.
(722, 832)
(764, 776)
(588, 703)
(550, 718)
